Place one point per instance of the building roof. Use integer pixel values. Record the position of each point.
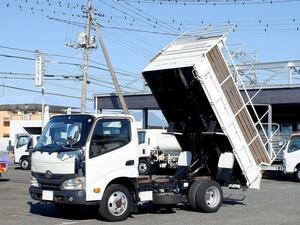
(33, 103)
(145, 100)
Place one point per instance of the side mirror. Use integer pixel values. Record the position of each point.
(73, 134)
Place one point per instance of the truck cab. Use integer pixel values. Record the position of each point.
(78, 157)
(291, 156)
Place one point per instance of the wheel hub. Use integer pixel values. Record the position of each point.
(117, 203)
(212, 197)
(24, 164)
(143, 167)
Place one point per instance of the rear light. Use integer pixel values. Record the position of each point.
(2, 165)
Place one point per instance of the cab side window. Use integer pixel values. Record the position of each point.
(294, 144)
(141, 137)
(108, 135)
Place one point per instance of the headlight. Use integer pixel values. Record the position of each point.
(74, 184)
(34, 182)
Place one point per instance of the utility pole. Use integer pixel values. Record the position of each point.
(110, 67)
(86, 46)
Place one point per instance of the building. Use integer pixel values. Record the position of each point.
(22, 114)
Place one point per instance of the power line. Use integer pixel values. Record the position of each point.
(48, 93)
(211, 3)
(62, 77)
(119, 71)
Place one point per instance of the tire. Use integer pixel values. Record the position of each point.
(144, 167)
(109, 209)
(297, 175)
(25, 163)
(209, 196)
(192, 194)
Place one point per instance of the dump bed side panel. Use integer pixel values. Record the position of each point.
(237, 106)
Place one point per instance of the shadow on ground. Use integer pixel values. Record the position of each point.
(4, 180)
(90, 212)
(278, 176)
(69, 212)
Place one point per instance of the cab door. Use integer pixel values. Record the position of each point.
(112, 153)
(142, 144)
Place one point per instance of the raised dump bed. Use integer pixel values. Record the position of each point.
(197, 94)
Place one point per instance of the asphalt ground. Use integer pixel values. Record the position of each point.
(276, 203)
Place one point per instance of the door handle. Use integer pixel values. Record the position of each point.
(129, 163)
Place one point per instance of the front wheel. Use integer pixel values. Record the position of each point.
(25, 163)
(144, 167)
(297, 175)
(116, 203)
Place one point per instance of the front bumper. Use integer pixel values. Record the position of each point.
(61, 197)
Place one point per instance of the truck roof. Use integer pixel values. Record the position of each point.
(100, 115)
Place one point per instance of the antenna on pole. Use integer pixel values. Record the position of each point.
(108, 62)
(85, 41)
(85, 44)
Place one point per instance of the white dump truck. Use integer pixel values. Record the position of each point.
(93, 159)
(158, 149)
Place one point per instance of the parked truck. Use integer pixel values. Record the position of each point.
(291, 157)
(158, 150)
(24, 142)
(93, 159)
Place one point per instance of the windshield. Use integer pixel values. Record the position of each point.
(55, 135)
(294, 144)
(22, 140)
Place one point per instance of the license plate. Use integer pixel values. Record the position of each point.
(47, 195)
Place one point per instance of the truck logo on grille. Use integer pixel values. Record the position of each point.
(48, 174)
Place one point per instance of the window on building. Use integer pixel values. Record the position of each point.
(286, 128)
(298, 126)
(6, 122)
(6, 135)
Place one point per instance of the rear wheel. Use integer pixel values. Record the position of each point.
(209, 196)
(192, 194)
(144, 167)
(116, 203)
(25, 163)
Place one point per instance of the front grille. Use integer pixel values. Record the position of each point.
(54, 182)
(50, 186)
(54, 176)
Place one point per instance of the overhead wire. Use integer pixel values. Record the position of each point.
(211, 2)
(48, 93)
